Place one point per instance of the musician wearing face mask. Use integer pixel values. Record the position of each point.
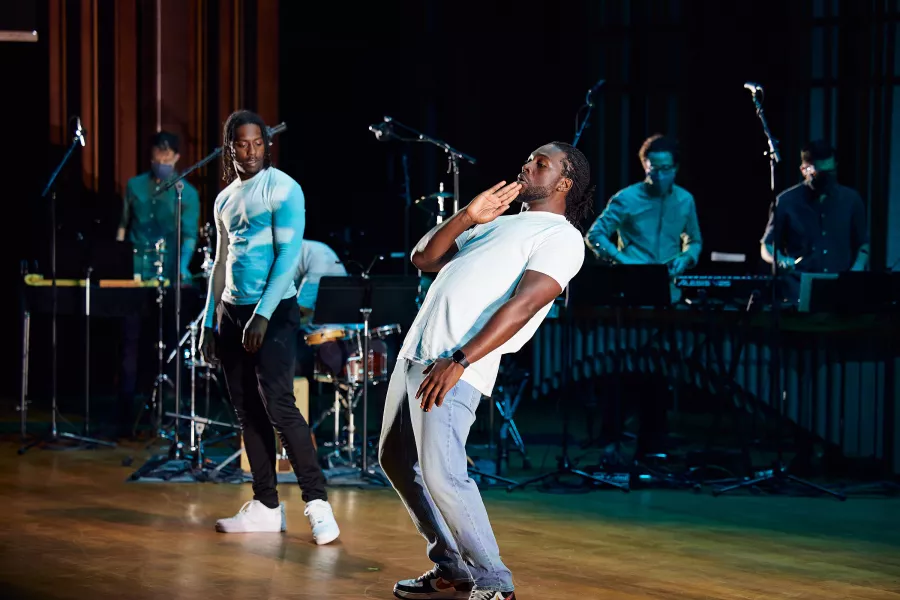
(148, 217)
(821, 224)
(655, 220)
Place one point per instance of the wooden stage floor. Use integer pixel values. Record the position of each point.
(74, 528)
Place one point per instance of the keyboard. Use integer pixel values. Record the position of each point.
(721, 281)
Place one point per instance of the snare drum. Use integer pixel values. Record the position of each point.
(339, 362)
(378, 371)
(326, 334)
(384, 331)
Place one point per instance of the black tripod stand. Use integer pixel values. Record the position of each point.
(778, 475)
(54, 435)
(565, 465)
(622, 287)
(508, 378)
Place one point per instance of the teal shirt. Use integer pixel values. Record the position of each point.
(651, 230)
(148, 218)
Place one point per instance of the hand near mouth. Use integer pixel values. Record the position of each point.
(493, 202)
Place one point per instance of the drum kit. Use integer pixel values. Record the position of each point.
(338, 362)
(192, 358)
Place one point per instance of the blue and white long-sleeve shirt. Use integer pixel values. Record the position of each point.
(260, 223)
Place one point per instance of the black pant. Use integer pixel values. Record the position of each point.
(262, 391)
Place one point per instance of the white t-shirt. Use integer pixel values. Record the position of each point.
(481, 277)
(263, 219)
(317, 260)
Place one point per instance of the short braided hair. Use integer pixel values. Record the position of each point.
(580, 199)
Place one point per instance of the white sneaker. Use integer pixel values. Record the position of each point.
(254, 517)
(321, 518)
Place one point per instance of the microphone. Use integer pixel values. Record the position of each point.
(273, 131)
(588, 98)
(384, 132)
(179, 186)
(753, 87)
(79, 131)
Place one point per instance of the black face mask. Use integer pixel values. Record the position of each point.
(823, 183)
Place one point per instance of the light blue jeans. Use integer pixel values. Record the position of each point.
(424, 456)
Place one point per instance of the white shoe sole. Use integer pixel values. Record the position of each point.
(431, 595)
(224, 529)
(328, 538)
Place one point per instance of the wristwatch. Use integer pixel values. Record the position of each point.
(460, 359)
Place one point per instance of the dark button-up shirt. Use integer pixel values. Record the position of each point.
(827, 234)
(149, 218)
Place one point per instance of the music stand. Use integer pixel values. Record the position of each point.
(86, 261)
(109, 260)
(371, 301)
(620, 285)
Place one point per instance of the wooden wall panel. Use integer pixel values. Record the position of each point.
(229, 89)
(127, 153)
(89, 86)
(56, 41)
(267, 64)
(179, 65)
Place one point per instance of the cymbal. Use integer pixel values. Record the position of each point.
(436, 196)
(436, 204)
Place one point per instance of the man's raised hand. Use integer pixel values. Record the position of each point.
(493, 202)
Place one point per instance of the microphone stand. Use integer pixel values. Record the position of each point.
(453, 155)
(565, 465)
(589, 103)
(54, 434)
(407, 197)
(778, 474)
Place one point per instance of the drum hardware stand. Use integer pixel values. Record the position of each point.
(348, 399)
(157, 397)
(778, 474)
(206, 250)
(365, 472)
(506, 407)
(199, 424)
(191, 334)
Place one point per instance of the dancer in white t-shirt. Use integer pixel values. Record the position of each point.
(497, 279)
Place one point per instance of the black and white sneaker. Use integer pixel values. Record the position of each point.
(491, 595)
(432, 586)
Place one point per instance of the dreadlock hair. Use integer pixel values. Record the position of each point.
(580, 199)
(235, 120)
